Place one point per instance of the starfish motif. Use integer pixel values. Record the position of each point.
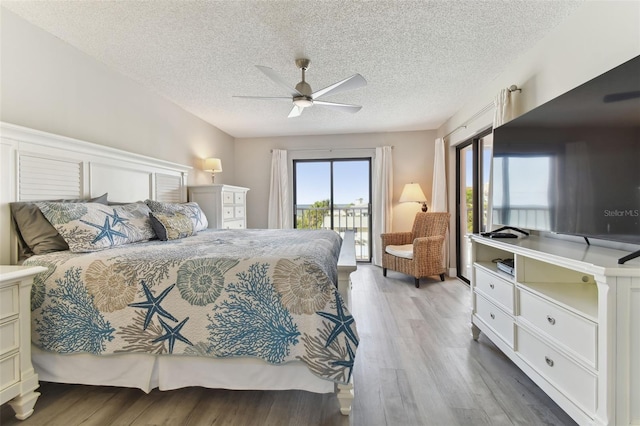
(116, 218)
(105, 231)
(153, 304)
(195, 215)
(173, 334)
(346, 363)
(342, 323)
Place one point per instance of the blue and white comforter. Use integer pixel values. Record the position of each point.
(269, 294)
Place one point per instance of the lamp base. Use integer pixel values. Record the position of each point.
(424, 207)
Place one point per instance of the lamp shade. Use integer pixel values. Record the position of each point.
(213, 165)
(412, 193)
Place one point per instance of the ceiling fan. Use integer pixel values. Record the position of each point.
(622, 96)
(303, 97)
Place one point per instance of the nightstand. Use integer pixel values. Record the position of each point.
(18, 381)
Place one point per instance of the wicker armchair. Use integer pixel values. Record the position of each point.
(417, 253)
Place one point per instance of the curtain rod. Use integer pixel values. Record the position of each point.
(329, 149)
(512, 88)
(469, 120)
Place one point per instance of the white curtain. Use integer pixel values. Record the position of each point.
(502, 111)
(439, 191)
(439, 188)
(382, 199)
(280, 214)
(501, 114)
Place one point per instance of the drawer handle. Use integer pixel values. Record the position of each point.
(492, 315)
(551, 320)
(492, 286)
(549, 361)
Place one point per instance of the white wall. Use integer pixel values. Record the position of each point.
(598, 37)
(51, 86)
(412, 162)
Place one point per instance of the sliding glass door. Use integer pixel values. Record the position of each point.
(335, 194)
(473, 168)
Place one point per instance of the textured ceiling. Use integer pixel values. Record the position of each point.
(421, 58)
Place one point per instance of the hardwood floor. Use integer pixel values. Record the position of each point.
(416, 365)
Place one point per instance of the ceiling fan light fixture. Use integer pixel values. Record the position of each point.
(302, 101)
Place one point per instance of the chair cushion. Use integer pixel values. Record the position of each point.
(405, 250)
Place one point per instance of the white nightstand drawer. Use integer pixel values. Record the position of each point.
(577, 334)
(495, 318)
(233, 224)
(227, 213)
(566, 375)
(239, 212)
(227, 197)
(9, 336)
(9, 300)
(495, 288)
(9, 370)
(238, 198)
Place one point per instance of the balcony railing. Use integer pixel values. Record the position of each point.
(527, 217)
(355, 219)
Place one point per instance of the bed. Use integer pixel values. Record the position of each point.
(251, 332)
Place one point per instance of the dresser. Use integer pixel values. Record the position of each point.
(18, 381)
(224, 205)
(569, 317)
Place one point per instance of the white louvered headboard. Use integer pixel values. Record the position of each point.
(36, 165)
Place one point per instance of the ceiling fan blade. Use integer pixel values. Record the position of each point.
(295, 111)
(268, 98)
(340, 107)
(623, 96)
(354, 82)
(279, 80)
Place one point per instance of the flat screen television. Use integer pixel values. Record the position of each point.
(572, 165)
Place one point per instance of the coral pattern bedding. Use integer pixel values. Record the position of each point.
(269, 294)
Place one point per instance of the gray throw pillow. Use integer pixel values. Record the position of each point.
(35, 234)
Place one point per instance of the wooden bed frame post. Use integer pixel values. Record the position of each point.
(346, 265)
(345, 397)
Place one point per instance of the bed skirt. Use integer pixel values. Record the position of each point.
(147, 372)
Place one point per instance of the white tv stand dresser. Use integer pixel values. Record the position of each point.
(569, 317)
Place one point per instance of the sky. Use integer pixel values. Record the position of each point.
(486, 167)
(351, 181)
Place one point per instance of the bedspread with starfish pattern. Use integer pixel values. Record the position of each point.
(270, 294)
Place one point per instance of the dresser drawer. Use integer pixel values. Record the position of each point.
(227, 213)
(238, 198)
(227, 197)
(495, 288)
(9, 370)
(576, 382)
(239, 211)
(9, 336)
(9, 304)
(575, 333)
(496, 318)
(233, 224)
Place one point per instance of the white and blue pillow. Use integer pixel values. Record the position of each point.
(92, 227)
